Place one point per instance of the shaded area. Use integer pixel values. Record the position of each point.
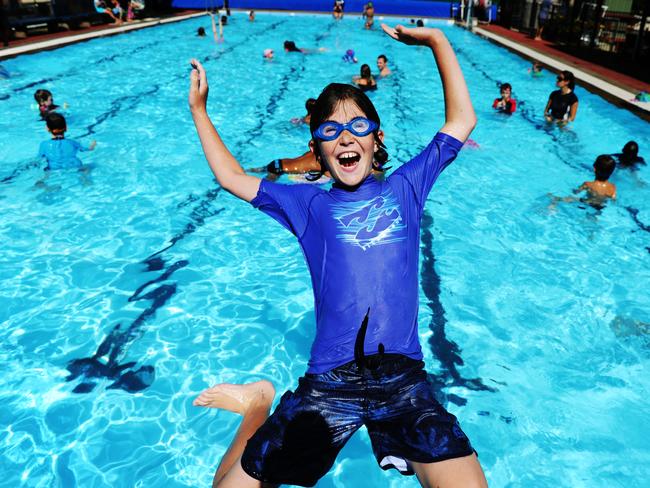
(447, 352)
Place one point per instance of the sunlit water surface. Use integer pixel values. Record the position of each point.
(534, 322)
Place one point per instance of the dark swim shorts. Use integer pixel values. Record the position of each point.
(298, 443)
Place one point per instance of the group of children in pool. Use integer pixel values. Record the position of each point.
(562, 108)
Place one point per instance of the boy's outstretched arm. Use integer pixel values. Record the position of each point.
(229, 173)
(460, 118)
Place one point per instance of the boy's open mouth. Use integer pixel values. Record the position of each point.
(348, 160)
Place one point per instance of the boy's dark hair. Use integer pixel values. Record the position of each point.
(56, 123)
(382, 56)
(224, 20)
(42, 95)
(604, 167)
(505, 86)
(328, 100)
(310, 104)
(291, 47)
(365, 71)
(200, 32)
(631, 149)
(419, 23)
(568, 76)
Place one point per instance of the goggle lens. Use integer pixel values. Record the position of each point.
(359, 126)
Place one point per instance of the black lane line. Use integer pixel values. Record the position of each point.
(634, 213)
(445, 350)
(107, 363)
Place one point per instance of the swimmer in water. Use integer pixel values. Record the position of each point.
(361, 241)
(629, 157)
(382, 65)
(365, 80)
(506, 104)
(309, 106)
(562, 105)
(597, 191)
(369, 14)
(536, 69)
(45, 102)
(303, 164)
(59, 152)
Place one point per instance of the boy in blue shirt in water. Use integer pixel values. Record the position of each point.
(59, 152)
(361, 243)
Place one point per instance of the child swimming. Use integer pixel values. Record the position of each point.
(506, 104)
(597, 191)
(45, 102)
(361, 243)
(59, 152)
(629, 156)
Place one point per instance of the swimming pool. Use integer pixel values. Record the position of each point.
(534, 322)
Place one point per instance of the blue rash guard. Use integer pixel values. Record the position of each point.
(362, 248)
(61, 153)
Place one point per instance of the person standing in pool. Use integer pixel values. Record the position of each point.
(361, 243)
(365, 80)
(382, 65)
(505, 104)
(59, 152)
(562, 105)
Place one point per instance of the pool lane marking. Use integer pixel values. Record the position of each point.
(444, 350)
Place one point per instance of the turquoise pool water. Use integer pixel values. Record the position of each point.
(534, 322)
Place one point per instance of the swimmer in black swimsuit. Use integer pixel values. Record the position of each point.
(365, 81)
(562, 105)
(629, 158)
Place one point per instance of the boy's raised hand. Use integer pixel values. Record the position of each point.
(198, 86)
(415, 36)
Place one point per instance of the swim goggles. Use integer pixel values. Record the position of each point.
(330, 130)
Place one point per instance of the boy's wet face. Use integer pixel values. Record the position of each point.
(348, 157)
(505, 92)
(380, 64)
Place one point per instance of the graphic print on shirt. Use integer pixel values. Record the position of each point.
(369, 223)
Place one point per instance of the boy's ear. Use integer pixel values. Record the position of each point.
(312, 148)
(380, 135)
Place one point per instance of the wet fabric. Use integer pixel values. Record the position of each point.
(561, 104)
(61, 153)
(362, 247)
(299, 442)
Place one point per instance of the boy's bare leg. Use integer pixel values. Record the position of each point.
(463, 472)
(252, 401)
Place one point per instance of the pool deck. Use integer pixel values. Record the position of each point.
(44, 42)
(616, 87)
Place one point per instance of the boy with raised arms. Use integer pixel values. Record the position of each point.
(361, 243)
